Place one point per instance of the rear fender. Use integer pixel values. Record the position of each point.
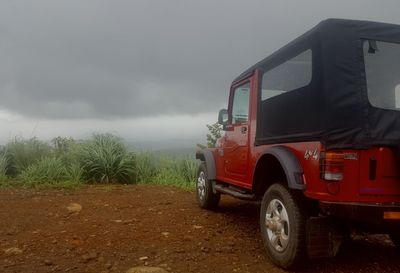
(290, 164)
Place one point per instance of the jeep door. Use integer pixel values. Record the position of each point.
(236, 138)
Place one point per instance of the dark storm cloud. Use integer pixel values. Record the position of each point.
(108, 59)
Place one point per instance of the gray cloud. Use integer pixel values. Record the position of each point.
(124, 59)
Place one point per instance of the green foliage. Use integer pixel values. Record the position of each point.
(49, 170)
(22, 153)
(166, 170)
(105, 159)
(72, 153)
(188, 169)
(75, 173)
(62, 144)
(147, 166)
(4, 163)
(101, 159)
(214, 133)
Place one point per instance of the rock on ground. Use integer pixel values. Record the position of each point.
(13, 251)
(74, 208)
(146, 269)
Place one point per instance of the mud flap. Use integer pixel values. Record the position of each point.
(213, 183)
(323, 240)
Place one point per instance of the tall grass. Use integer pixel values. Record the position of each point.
(4, 162)
(147, 166)
(167, 170)
(104, 158)
(24, 152)
(48, 170)
(188, 169)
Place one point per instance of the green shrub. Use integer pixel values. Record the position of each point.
(75, 173)
(62, 145)
(179, 172)
(48, 170)
(188, 169)
(102, 159)
(147, 166)
(25, 152)
(105, 159)
(4, 163)
(167, 176)
(72, 154)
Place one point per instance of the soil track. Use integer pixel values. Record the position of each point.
(123, 226)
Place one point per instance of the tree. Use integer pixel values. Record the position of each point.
(214, 133)
(61, 144)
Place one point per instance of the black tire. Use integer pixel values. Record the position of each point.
(395, 239)
(206, 198)
(284, 241)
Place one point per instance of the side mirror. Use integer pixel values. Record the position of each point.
(223, 118)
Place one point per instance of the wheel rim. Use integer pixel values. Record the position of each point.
(201, 185)
(277, 224)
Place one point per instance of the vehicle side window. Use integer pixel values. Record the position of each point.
(240, 106)
(382, 72)
(288, 76)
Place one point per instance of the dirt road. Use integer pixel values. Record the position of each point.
(119, 227)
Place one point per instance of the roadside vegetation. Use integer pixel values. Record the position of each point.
(103, 159)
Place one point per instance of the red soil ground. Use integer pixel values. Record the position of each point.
(120, 227)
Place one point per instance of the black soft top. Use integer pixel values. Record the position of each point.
(334, 108)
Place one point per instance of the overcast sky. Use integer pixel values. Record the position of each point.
(142, 69)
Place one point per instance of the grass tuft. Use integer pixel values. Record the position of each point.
(105, 159)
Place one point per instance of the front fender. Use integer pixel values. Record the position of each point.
(207, 156)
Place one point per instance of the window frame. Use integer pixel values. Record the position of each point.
(231, 101)
(363, 71)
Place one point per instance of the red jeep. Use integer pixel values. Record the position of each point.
(314, 132)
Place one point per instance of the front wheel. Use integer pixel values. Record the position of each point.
(282, 223)
(206, 197)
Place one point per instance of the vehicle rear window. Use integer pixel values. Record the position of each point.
(293, 74)
(382, 70)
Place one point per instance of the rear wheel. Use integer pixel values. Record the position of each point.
(282, 222)
(206, 198)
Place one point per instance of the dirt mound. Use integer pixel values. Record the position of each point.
(120, 227)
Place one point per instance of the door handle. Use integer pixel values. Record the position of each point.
(243, 130)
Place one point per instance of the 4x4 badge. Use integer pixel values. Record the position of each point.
(311, 154)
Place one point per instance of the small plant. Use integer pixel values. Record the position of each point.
(105, 159)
